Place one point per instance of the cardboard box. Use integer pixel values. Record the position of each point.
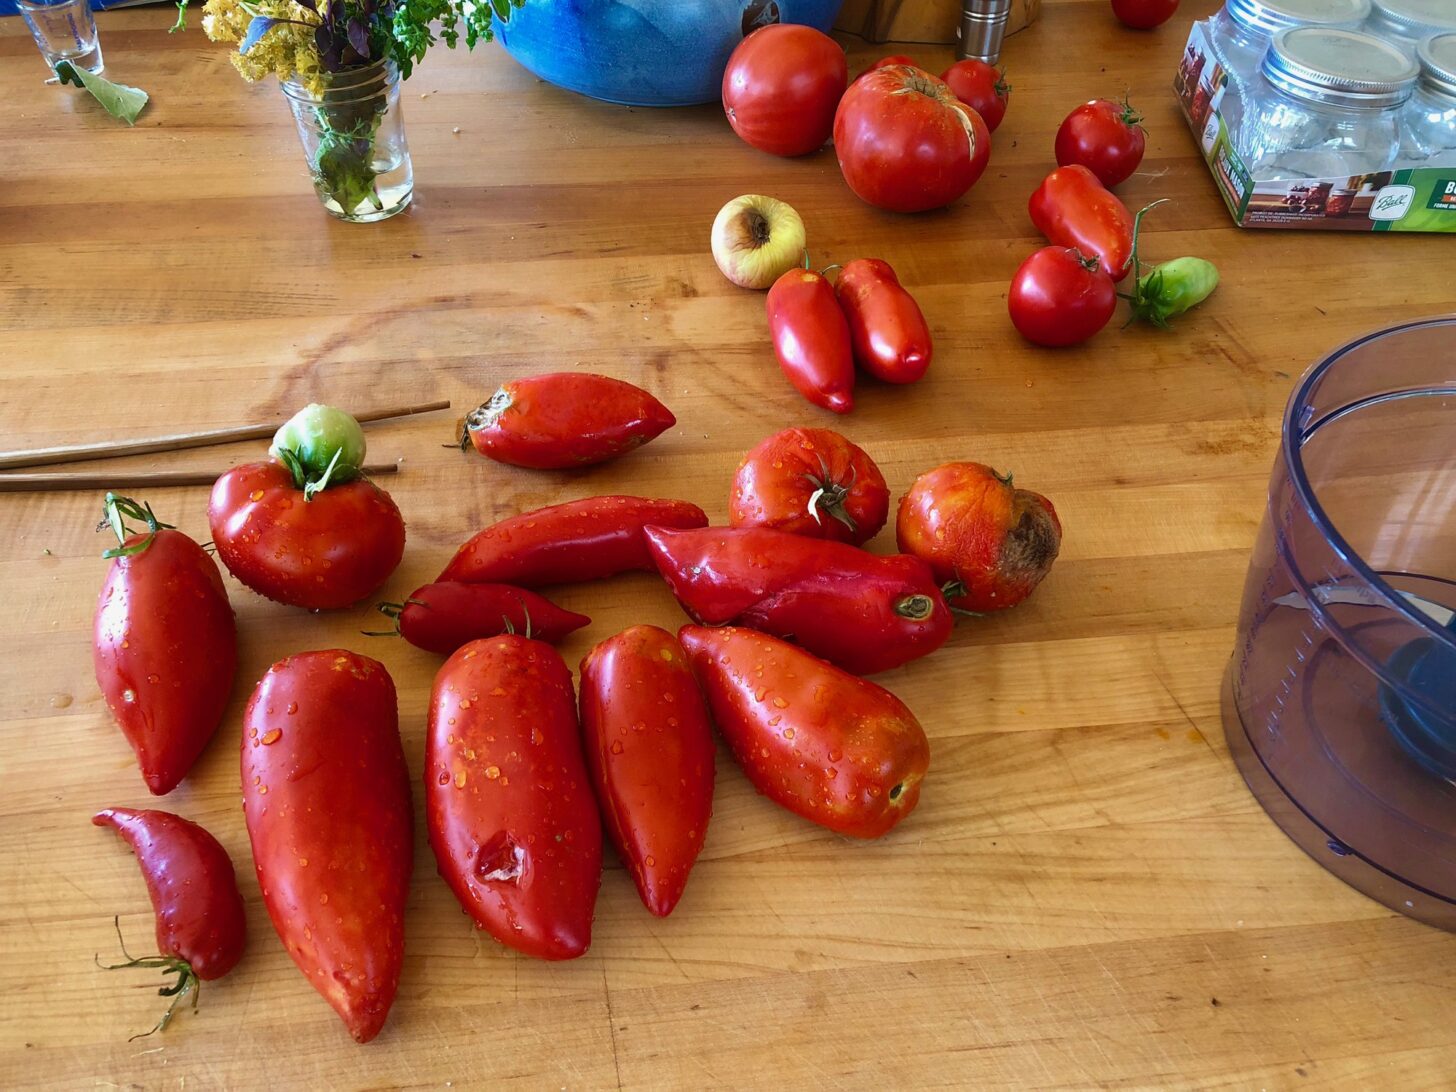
(932, 21)
(1422, 200)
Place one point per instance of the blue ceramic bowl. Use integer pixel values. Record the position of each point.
(644, 52)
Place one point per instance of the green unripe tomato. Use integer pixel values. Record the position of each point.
(312, 437)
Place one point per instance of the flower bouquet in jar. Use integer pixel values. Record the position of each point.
(340, 63)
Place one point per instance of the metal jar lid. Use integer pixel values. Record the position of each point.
(1415, 19)
(1271, 16)
(1437, 55)
(1339, 68)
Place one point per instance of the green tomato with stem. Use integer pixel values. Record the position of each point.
(320, 445)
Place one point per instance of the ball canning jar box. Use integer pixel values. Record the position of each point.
(1310, 114)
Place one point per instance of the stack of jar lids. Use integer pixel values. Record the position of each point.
(1341, 68)
(1272, 16)
(1437, 55)
(1413, 19)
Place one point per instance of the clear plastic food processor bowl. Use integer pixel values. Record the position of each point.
(1340, 702)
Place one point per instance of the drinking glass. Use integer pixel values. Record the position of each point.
(64, 30)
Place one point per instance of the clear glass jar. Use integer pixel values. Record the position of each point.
(353, 139)
(1326, 106)
(1428, 123)
(1407, 23)
(1242, 30)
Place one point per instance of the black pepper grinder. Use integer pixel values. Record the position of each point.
(982, 29)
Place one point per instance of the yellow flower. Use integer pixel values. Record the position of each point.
(287, 50)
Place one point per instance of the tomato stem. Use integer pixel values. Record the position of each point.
(187, 980)
(116, 510)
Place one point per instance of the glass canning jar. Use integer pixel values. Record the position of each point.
(1406, 23)
(1242, 29)
(1326, 105)
(1428, 122)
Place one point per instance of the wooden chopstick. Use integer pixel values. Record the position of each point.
(111, 449)
(129, 479)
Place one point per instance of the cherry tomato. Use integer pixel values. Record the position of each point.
(201, 930)
(887, 331)
(835, 749)
(906, 143)
(325, 552)
(813, 482)
(650, 752)
(1071, 208)
(164, 644)
(327, 799)
(990, 542)
(811, 339)
(563, 420)
(1144, 14)
(982, 87)
(508, 802)
(443, 616)
(1058, 297)
(781, 86)
(1104, 136)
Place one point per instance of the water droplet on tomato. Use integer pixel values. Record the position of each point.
(616, 746)
(460, 780)
(292, 708)
(492, 772)
(272, 736)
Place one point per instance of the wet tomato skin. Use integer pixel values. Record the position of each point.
(811, 339)
(193, 888)
(812, 482)
(835, 749)
(650, 752)
(508, 801)
(321, 554)
(443, 616)
(565, 419)
(993, 542)
(1073, 209)
(887, 331)
(327, 801)
(164, 648)
(588, 539)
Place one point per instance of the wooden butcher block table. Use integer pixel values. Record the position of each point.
(1087, 894)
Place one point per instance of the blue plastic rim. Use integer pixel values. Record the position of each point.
(644, 52)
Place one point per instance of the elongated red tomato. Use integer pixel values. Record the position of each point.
(327, 800)
(193, 888)
(812, 482)
(781, 86)
(587, 539)
(508, 802)
(650, 752)
(1072, 209)
(861, 611)
(886, 328)
(324, 553)
(565, 419)
(811, 339)
(837, 750)
(164, 645)
(442, 617)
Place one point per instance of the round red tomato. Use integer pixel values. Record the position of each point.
(1144, 14)
(982, 87)
(989, 543)
(812, 482)
(781, 87)
(1058, 297)
(906, 143)
(886, 62)
(330, 551)
(1104, 136)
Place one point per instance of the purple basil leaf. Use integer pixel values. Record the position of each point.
(359, 37)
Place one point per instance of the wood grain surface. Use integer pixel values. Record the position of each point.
(1087, 894)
